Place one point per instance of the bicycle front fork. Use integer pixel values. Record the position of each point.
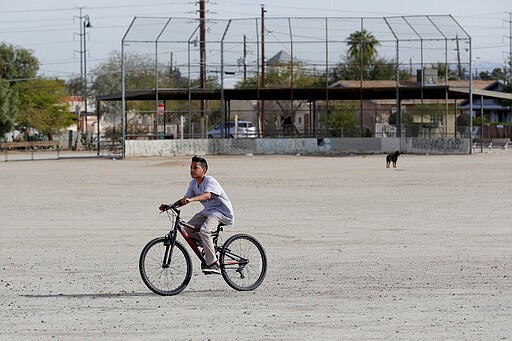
(169, 247)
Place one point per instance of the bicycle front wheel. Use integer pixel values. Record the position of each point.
(243, 262)
(164, 269)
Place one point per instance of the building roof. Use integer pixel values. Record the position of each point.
(282, 57)
(366, 84)
(489, 94)
(342, 90)
(269, 94)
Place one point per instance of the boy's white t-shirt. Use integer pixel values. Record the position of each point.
(219, 204)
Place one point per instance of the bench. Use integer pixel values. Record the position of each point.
(29, 145)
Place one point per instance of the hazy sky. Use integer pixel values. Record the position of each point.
(50, 28)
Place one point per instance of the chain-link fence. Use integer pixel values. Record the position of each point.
(375, 60)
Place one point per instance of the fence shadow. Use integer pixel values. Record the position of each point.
(117, 295)
(94, 295)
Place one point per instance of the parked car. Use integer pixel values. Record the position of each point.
(245, 129)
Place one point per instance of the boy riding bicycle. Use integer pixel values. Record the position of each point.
(217, 209)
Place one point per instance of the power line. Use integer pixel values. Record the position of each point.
(46, 10)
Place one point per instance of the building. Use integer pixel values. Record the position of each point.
(420, 117)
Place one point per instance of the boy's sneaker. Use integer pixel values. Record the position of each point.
(211, 269)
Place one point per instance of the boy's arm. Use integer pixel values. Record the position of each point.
(200, 197)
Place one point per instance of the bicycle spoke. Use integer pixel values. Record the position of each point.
(243, 262)
(165, 279)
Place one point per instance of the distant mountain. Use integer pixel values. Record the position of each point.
(481, 66)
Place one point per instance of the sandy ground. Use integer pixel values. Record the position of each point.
(356, 251)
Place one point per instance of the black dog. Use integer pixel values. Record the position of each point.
(393, 157)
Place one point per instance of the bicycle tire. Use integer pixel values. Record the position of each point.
(243, 262)
(165, 281)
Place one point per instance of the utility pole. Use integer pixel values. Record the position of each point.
(509, 87)
(459, 66)
(202, 61)
(245, 57)
(171, 71)
(84, 23)
(263, 123)
(361, 76)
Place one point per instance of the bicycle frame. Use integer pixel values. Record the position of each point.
(178, 226)
(171, 236)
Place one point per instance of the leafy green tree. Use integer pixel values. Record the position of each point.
(285, 75)
(477, 120)
(427, 113)
(384, 69)
(107, 79)
(140, 74)
(43, 107)
(443, 69)
(75, 86)
(342, 118)
(8, 108)
(503, 76)
(462, 123)
(506, 83)
(17, 63)
(495, 74)
(406, 118)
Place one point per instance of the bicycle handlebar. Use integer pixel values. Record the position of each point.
(173, 206)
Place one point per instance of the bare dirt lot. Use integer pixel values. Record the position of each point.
(356, 251)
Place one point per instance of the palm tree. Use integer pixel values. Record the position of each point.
(362, 51)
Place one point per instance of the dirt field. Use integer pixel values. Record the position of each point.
(356, 251)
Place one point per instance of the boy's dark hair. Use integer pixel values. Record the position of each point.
(201, 160)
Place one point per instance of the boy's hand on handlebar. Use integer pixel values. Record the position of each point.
(179, 203)
(183, 201)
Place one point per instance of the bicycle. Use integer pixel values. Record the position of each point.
(166, 266)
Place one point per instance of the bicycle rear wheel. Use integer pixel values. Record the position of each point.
(243, 262)
(166, 271)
